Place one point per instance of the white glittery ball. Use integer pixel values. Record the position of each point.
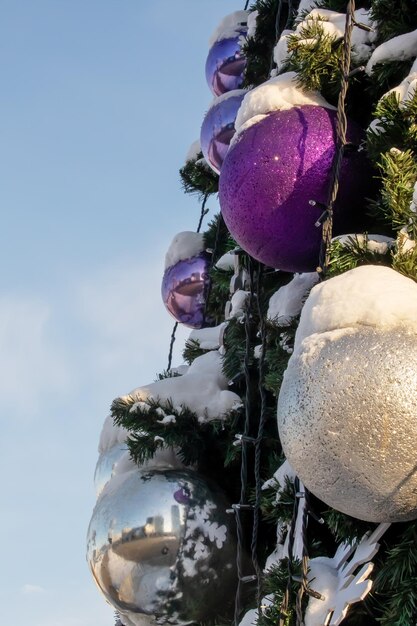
(347, 410)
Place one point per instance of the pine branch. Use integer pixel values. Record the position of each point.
(148, 431)
(344, 527)
(192, 350)
(258, 50)
(280, 340)
(198, 177)
(354, 253)
(399, 175)
(277, 502)
(393, 17)
(316, 57)
(275, 584)
(396, 127)
(396, 582)
(217, 236)
(406, 263)
(219, 294)
(235, 346)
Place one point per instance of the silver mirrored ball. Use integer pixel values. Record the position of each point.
(106, 466)
(161, 544)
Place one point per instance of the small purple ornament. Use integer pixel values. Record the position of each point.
(184, 290)
(274, 169)
(218, 127)
(182, 495)
(225, 64)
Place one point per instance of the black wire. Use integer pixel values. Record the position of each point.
(244, 452)
(341, 127)
(204, 212)
(171, 346)
(258, 441)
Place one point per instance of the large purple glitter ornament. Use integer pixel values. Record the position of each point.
(218, 127)
(184, 290)
(225, 64)
(272, 172)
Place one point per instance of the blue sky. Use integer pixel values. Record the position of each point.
(99, 100)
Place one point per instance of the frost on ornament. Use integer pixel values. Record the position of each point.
(339, 581)
(348, 401)
(203, 389)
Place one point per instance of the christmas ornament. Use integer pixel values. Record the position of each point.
(275, 182)
(160, 544)
(106, 466)
(348, 402)
(184, 289)
(218, 127)
(338, 580)
(226, 63)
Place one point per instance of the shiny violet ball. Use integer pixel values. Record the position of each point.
(225, 64)
(272, 172)
(218, 127)
(184, 290)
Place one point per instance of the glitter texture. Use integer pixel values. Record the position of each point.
(347, 422)
(184, 288)
(225, 65)
(218, 129)
(272, 171)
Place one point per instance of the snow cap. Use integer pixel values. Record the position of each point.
(203, 389)
(185, 245)
(370, 295)
(193, 151)
(252, 17)
(208, 338)
(287, 302)
(276, 94)
(374, 243)
(400, 48)
(229, 26)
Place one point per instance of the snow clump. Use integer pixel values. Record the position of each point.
(185, 245)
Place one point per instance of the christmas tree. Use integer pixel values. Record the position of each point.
(271, 479)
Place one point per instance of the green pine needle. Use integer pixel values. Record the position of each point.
(197, 177)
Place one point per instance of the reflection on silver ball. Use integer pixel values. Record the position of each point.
(160, 544)
(106, 466)
(347, 417)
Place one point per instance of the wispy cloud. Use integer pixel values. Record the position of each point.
(32, 589)
(30, 363)
(128, 326)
